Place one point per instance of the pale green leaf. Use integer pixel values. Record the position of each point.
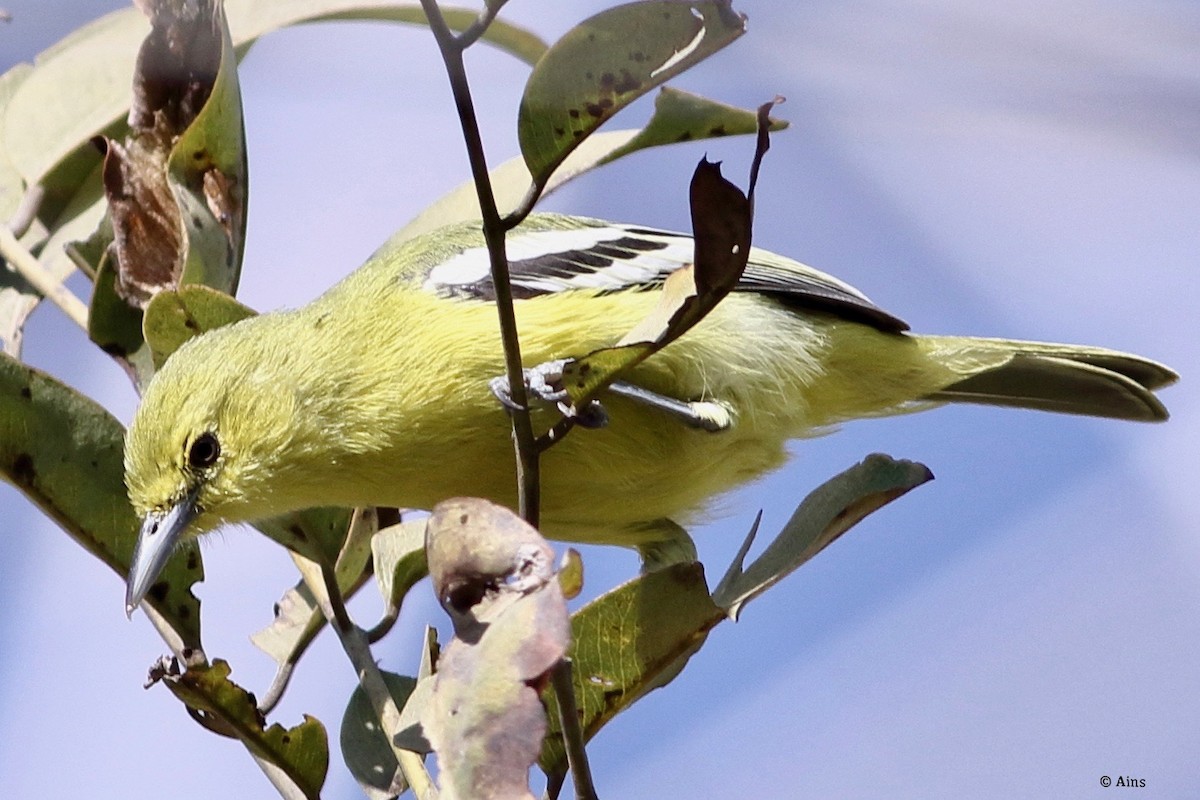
(399, 557)
(829, 511)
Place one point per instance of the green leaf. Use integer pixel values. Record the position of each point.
(628, 642)
(64, 452)
(315, 533)
(116, 327)
(681, 116)
(365, 746)
(173, 317)
(829, 511)
(678, 117)
(300, 752)
(607, 62)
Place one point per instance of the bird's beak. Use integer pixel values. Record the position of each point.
(161, 531)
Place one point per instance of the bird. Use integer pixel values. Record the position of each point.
(381, 392)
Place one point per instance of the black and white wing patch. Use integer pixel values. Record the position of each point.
(612, 257)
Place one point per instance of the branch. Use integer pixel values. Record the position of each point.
(528, 484)
(29, 268)
(568, 715)
(325, 589)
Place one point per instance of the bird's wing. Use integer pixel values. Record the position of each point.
(555, 254)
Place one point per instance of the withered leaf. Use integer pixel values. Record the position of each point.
(175, 185)
(722, 219)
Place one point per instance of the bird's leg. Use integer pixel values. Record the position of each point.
(709, 416)
(545, 383)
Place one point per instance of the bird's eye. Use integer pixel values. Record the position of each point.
(204, 451)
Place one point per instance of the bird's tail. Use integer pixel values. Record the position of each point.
(1070, 379)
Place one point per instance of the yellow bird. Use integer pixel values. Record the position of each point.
(379, 393)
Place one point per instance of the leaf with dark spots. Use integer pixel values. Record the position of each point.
(495, 577)
(64, 453)
(632, 48)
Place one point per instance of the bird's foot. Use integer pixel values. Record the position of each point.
(544, 385)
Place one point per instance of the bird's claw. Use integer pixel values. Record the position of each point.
(544, 384)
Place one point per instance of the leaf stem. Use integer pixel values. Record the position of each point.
(451, 47)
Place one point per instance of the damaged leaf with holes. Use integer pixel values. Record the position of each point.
(301, 753)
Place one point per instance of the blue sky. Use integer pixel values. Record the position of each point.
(1020, 627)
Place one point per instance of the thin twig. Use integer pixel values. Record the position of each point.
(568, 715)
(384, 626)
(471, 35)
(528, 483)
(278, 686)
(29, 268)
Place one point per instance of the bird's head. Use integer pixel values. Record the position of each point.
(205, 446)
